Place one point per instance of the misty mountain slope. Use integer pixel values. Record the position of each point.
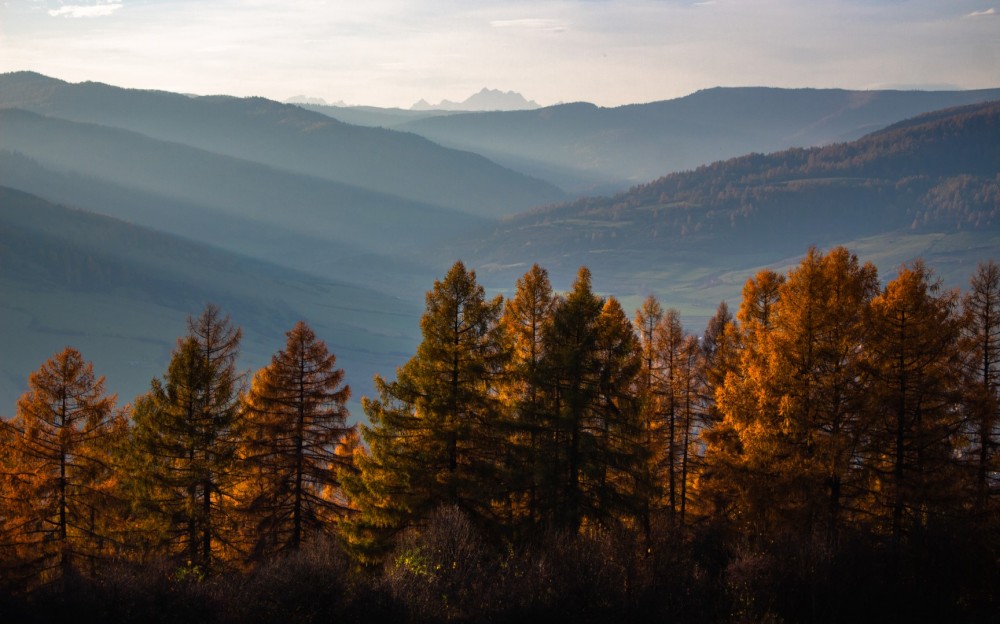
(202, 223)
(927, 186)
(294, 202)
(629, 144)
(121, 293)
(289, 137)
(373, 116)
(314, 252)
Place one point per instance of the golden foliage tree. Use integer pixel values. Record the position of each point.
(291, 438)
(57, 474)
(794, 412)
(525, 319)
(915, 365)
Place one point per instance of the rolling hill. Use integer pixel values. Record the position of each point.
(336, 212)
(929, 186)
(120, 294)
(291, 138)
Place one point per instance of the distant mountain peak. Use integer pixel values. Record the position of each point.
(486, 100)
(317, 101)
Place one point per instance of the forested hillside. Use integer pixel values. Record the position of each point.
(826, 451)
(906, 188)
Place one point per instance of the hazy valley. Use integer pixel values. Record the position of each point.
(124, 210)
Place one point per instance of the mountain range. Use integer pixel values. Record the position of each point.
(287, 137)
(122, 211)
(928, 186)
(587, 149)
(484, 100)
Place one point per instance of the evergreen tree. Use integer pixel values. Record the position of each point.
(293, 427)
(591, 362)
(434, 437)
(615, 464)
(55, 513)
(183, 445)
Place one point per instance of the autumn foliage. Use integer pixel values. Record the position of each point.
(829, 453)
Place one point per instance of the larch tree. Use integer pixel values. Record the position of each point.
(818, 370)
(591, 362)
(741, 436)
(795, 410)
(433, 437)
(614, 469)
(55, 515)
(647, 319)
(981, 344)
(291, 438)
(183, 446)
(915, 365)
(525, 318)
(692, 411)
(669, 337)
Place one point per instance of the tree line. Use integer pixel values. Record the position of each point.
(832, 443)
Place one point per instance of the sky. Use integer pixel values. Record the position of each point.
(392, 53)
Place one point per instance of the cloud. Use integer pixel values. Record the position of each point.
(80, 10)
(531, 23)
(986, 13)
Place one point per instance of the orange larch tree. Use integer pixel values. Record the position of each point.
(57, 472)
(295, 421)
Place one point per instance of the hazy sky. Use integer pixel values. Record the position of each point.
(610, 52)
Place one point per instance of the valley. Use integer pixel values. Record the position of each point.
(124, 211)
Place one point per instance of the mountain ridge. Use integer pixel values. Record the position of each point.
(290, 137)
(605, 148)
(484, 100)
(927, 178)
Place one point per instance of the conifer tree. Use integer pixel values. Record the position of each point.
(915, 365)
(615, 469)
(56, 506)
(183, 445)
(591, 362)
(434, 437)
(796, 409)
(647, 319)
(669, 340)
(741, 431)
(668, 404)
(525, 318)
(291, 436)
(692, 410)
(981, 345)
(816, 358)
